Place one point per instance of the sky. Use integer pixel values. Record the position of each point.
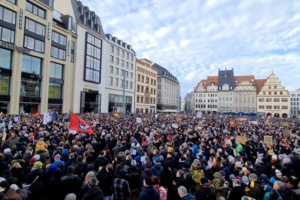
(193, 39)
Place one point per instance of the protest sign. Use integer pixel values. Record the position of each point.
(199, 114)
(241, 140)
(268, 139)
(253, 122)
(284, 124)
(138, 120)
(174, 125)
(16, 119)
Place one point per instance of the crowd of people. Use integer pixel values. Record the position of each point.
(150, 156)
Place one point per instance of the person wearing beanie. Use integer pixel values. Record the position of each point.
(71, 196)
(121, 188)
(196, 173)
(23, 193)
(148, 191)
(279, 187)
(267, 190)
(157, 169)
(93, 192)
(236, 192)
(41, 149)
(278, 174)
(205, 191)
(3, 164)
(36, 176)
(56, 164)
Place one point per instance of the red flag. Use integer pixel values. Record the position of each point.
(80, 125)
(36, 114)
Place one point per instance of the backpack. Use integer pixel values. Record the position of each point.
(197, 175)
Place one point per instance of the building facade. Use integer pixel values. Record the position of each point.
(168, 90)
(244, 95)
(206, 95)
(225, 90)
(295, 103)
(146, 86)
(120, 74)
(189, 99)
(36, 57)
(273, 99)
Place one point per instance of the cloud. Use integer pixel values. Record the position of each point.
(193, 39)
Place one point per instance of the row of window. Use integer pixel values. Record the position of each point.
(35, 10)
(203, 100)
(92, 59)
(7, 15)
(112, 50)
(122, 62)
(140, 99)
(209, 95)
(273, 99)
(35, 27)
(121, 85)
(144, 71)
(295, 99)
(204, 106)
(294, 103)
(274, 107)
(111, 71)
(141, 89)
(273, 93)
(7, 35)
(141, 78)
(293, 95)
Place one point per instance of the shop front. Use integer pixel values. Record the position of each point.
(90, 101)
(29, 94)
(115, 103)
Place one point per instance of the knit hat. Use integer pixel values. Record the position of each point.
(253, 177)
(148, 181)
(245, 180)
(170, 149)
(286, 160)
(37, 157)
(272, 180)
(274, 157)
(196, 162)
(71, 196)
(280, 184)
(204, 180)
(263, 177)
(7, 151)
(232, 176)
(65, 152)
(32, 160)
(56, 157)
(270, 152)
(169, 137)
(278, 173)
(38, 165)
(231, 159)
(14, 186)
(222, 173)
(236, 181)
(267, 188)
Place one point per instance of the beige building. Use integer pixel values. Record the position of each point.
(36, 57)
(273, 99)
(146, 79)
(244, 95)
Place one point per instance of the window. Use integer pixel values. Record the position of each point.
(139, 77)
(7, 35)
(58, 53)
(55, 91)
(268, 107)
(127, 65)
(268, 99)
(122, 54)
(116, 82)
(126, 84)
(34, 44)
(122, 63)
(131, 58)
(275, 87)
(117, 61)
(122, 83)
(127, 56)
(131, 75)
(284, 107)
(118, 52)
(35, 27)
(276, 107)
(59, 38)
(92, 59)
(12, 1)
(31, 64)
(111, 59)
(131, 85)
(138, 88)
(264, 93)
(275, 93)
(111, 69)
(142, 99)
(117, 71)
(5, 59)
(30, 88)
(4, 85)
(110, 81)
(137, 99)
(142, 89)
(35, 10)
(147, 80)
(7, 15)
(269, 87)
(72, 51)
(276, 99)
(56, 70)
(131, 66)
(142, 79)
(280, 93)
(112, 49)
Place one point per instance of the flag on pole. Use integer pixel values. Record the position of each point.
(79, 125)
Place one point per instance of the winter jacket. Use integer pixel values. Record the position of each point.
(158, 170)
(205, 192)
(236, 193)
(295, 194)
(94, 193)
(189, 197)
(162, 192)
(255, 192)
(71, 184)
(106, 184)
(3, 166)
(44, 157)
(148, 193)
(37, 188)
(55, 189)
(219, 184)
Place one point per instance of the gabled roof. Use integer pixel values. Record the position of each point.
(247, 78)
(259, 83)
(226, 77)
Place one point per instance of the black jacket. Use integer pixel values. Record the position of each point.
(94, 193)
(71, 183)
(107, 183)
(148, 193)
(236, 193)
(205, 192)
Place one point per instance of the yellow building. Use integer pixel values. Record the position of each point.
(146, 79)
(36, 57)
(272, 99)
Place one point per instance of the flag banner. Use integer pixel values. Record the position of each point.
(80, 126)
(37, 114)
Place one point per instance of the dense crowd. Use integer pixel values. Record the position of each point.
(150, 156)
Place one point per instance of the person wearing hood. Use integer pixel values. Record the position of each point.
(71, 182)
(196, 173)
(148, 192)
(56, 164)
(147, 172)
(267, 190)
(219, 181)
(13, 140)
(41, 149)
(35, 178)
(184, 195)
(157, 169)
(205, 191)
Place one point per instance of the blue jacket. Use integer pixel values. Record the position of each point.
(148, 193)
(158, 170)
(195, 151)
(189, 197)
(53, 167)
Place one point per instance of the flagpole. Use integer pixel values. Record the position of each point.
(124, 93)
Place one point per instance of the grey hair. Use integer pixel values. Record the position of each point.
(182, 190)
(70, 196)
(133, 163)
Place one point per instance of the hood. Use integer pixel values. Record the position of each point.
(219, 176)
(157, 165)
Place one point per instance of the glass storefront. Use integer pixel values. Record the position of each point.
(30, 88)
(115, 103)
(4, 85)
(55, 91)
(90, 101)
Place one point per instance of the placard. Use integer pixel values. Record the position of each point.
(253, 122)
(174, 125)
(268, 139)
(241, 140)
(199, 114)
(284, 124)
(138, 120)
(16, 119)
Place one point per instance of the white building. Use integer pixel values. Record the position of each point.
(295, 103)
(121, 70)
(168, 91)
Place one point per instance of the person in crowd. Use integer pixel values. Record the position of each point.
(184, 195)
(148, 191)
(121, 186)
(206, 191)
(237, 191)
(94, 192)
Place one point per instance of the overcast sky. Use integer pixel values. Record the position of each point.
(194, 38)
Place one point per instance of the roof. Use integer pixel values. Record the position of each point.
(119, 43)
(259, 83)
(164, 73)
(248, 78)
(92, 20)
(226, 77)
